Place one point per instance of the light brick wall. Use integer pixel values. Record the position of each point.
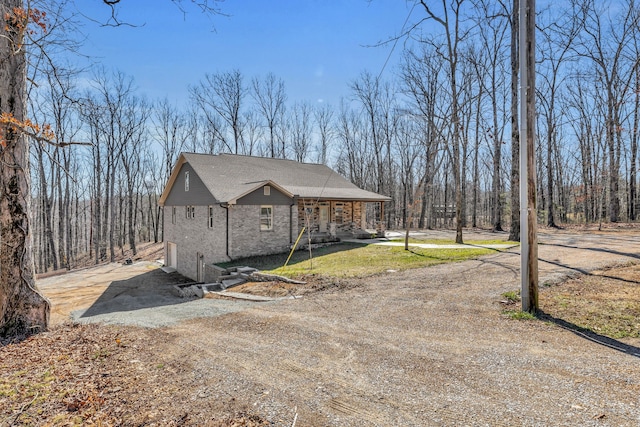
(246, 237)
(194, 235)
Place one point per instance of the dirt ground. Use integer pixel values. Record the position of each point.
(417, 348)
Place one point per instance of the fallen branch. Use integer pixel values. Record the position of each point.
(264, 277)
(24, 408)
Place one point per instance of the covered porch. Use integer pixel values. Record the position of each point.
(332, 220)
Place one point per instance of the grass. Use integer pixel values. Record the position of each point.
(453, 242)
(606, 303)
(519, 315)
(512, 296)
(357, 260)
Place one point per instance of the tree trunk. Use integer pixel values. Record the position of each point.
(23, 310)
(514, 231)
(497, 162)
(550, 141)
(634, 151)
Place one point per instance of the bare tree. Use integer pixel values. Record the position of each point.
(116, 119)
(557, 41)
(323, 115)
(493, 29)
(377, 99)
(608, 43)
(137, 111)
(421, 74)
(32, 32)
(633, 157)
(300, 119)
(270, 97)
(170, 132)
(355, 160)
(407, 149)
(367, 91)
(208, 7)
(22, 309)
(66, 127)
(450, 21)
(221, 95)
(510, 9)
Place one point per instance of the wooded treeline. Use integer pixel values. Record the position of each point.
(437, 134)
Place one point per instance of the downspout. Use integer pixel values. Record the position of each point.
(352, 226)
(226, 207)
(291, 232)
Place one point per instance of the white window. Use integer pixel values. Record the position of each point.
(267, 190)
(338, 215)
(266, 218)
(210, 216)
(186, 181)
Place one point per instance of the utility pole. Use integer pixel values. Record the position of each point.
(528, 213)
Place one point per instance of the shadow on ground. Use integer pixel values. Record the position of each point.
(272, 262)
(151, 289)
(590, 335)
(605, 250)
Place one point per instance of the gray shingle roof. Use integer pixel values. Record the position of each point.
(229, 176)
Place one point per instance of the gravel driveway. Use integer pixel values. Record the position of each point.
(425, 347)
(135, 295)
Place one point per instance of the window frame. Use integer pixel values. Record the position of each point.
(210, 220)
(268, 226)
(186, 181)
(338, 214)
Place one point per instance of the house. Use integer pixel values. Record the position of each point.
(223, 207)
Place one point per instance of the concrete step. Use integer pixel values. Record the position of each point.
(233, 282)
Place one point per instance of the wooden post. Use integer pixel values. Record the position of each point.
(528, 220)
(381, 226)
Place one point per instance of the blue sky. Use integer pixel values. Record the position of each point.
(316, 46)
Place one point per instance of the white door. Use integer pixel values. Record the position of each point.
(200, 268)
(172, 255)
(324, 218)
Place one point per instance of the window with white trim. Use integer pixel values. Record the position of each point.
(173, 214)
(210, 222)
(266, 218)
(186, 181)
(338, 215)
(190, 212)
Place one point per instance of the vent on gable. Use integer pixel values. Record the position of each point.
(267, 190)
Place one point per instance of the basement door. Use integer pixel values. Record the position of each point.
(200, 268)
(172, 255)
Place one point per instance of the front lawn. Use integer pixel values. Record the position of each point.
(357, 260)
(453, 242)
